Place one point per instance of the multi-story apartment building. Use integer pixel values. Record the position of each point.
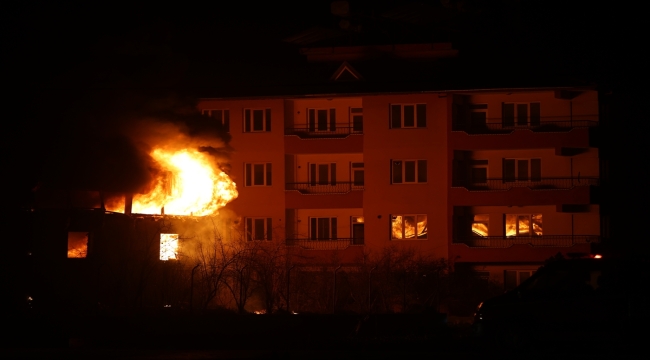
(497, 179)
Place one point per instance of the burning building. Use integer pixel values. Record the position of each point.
(496, 179)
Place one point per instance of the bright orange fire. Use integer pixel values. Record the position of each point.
(192, 186)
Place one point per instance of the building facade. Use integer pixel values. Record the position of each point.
(496, 179)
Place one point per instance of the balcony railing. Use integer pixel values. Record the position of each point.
(535, 241)
(545, 183)
(324, 244)
(314, 132)
(545, 124)
(343, 187)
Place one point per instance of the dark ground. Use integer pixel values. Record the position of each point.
(294, 337)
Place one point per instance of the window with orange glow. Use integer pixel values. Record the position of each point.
(408, 227)
(169, 246)
(220, 116)
(523, 225)
(77, 244)
(480, 225)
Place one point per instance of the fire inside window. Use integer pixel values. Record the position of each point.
(408, 227)
(524, 225)
(168, 247)
(480, 225)
(77, 244)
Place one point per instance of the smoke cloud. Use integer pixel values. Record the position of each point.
(106, 148)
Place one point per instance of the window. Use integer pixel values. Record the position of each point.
(323, 228)
(513, 278)
(259, 229)
(520, 114)
(357, 223)
(477, 114)
(322, 174)
(481, 225)
(479, 171)
(168, 246)
(358, 179)
(408, 171)
(356, 117)
(258, 174)
(523, 225)
(321, 119)
(408, 227)
(77, 244)
(522, 170)
(408, 116)
(257, 120)
(222, 117)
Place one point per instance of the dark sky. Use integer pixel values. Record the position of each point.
(78, 72)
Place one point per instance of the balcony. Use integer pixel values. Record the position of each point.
(534, 241)
(330, 131)
(310, 188)
(325, 244)
(546, 183)
(505, 126)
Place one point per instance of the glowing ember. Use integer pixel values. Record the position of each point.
(168, 246)
(191, 186)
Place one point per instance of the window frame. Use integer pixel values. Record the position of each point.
(249, 120)
(518, 274)
(531, 226)
(330, 120)
(314, 172)
(315, 228)
(173, 238)
(419, 116)
(531, 173)
(530, 120)
(250, 228)
(85, 246)
(250, 178)
(356, 127)
(486, 222)
(403, 227)
(357, 167)
(224, 120)
(479, 164)
(403, 176)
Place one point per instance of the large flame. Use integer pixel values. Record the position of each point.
(193, 185)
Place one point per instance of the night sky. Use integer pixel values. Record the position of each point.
(79, 72)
